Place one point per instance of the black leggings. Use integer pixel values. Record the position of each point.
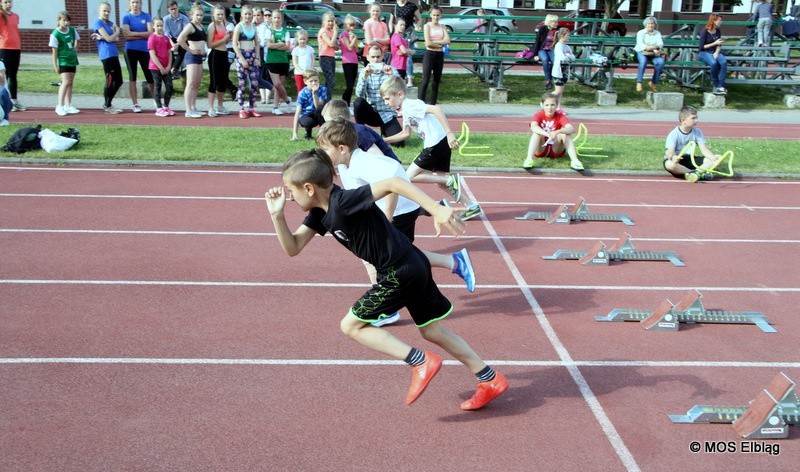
(167, 80)
(433, 61)
(219, 69)
(113, 71)
(10, 58)
(350, 77)
(133, 57)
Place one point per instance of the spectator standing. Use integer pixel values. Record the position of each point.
(10, 49)
(174, 23)
(436, 38)
(64, 43)
(160, 47)
(137, 26)
(409, 12)
(107, 35)
(764, 27)
(193, 39)
(348, 43)
(327, 42)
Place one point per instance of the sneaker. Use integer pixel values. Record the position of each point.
(576, 165)
(161, 112)
(718, 91)
(242, 114)
(486, 392)
(421, 375)
(691, 177)
(528, 163)
(254, 113)
(169, 111)
(454, 185)
(223, 111)
(19, 107)
(471, 212)
(212, 112)
(137, 109)
(387, 320)
(464, 268)
(61, 111)
(71, 110)
(277, 111)
(706, 176)
(4, 122)
(723, 90)
(111, 110)
(198, 112)
(193, 114)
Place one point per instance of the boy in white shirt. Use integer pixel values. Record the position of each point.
(432, 165)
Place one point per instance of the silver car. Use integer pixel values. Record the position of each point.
(469, 23)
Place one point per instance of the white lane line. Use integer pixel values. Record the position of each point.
(604, 421)
(382, 362)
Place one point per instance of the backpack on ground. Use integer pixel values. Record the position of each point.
(23, 140)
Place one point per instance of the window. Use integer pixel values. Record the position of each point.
(555, 4)
(633, 7)
(692, 6)
(722, 6)
(470, 3)
(524, 4)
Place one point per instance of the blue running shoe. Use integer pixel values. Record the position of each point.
(387, 320)
(464, 268)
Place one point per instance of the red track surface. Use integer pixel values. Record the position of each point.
(612, 126)
(151, 322)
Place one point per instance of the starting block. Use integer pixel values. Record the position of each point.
(768, 416)
(719, 169)
(622, 250)
(463, 143)
(580, 143)
(667, 317)
(577, 212)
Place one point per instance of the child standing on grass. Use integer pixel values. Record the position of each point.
(348, 43)
(681, 165)
(310, 102)
(327, 41)
(64, 42)
(552, 134)
(429, 121)
(302, 58)
(400, 51)
(561, 59)
(6, 105)
(160, 47)
(404, 275)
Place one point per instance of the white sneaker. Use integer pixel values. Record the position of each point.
(277, 111)
(71, 110)
(61, 111)
(223, 111)
(4, 122)
(193, 114)
(212, 112)
(136, 108)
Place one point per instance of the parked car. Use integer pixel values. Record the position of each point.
(309, 14)
(614, 29)
(466, 25)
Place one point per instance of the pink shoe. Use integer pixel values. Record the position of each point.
(161, 112)
(169, 111)
(254, 113)
(242, 114)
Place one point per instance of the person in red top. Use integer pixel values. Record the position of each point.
(10, 48)
(552, 134)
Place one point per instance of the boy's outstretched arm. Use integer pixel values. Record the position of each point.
(401, 136)
(442, 215)
(292, 243)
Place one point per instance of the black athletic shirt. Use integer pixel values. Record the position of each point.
(360, 226)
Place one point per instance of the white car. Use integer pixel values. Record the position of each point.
(468, 24)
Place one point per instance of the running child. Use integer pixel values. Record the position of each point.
(552, 134)
(368, 139)
(432, 165)
(64, 43)
(404, 275)
(160, 47)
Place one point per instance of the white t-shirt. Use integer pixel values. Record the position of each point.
(677, 139)
(367, 168)
(426, 125)
(305, 59)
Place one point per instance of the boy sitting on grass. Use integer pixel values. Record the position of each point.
(681, 165)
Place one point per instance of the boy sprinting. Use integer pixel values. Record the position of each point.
(404, 274)
(368, 139)
(310, 101)
(681, 165)
(552, 134)
(432, 165)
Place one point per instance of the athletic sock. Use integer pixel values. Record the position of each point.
(454, 267)
(486, 374)
(415, 357)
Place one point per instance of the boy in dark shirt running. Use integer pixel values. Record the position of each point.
(404, 274)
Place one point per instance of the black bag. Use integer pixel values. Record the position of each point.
(23, 140)
(73, 134)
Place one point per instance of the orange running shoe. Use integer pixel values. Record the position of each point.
(421, 376)
(487, 391)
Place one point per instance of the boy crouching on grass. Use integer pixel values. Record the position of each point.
(429, 121)
(552, 134)
(681, 165)
(404, 274)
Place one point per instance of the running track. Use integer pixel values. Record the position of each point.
(151, 322)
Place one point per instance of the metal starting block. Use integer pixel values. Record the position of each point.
(667, 317)
(768, 416)
(577, 212)
(622, 250)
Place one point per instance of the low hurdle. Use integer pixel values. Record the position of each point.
(622, 250)
(668, 317)
(768, 416)
(577, 212)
